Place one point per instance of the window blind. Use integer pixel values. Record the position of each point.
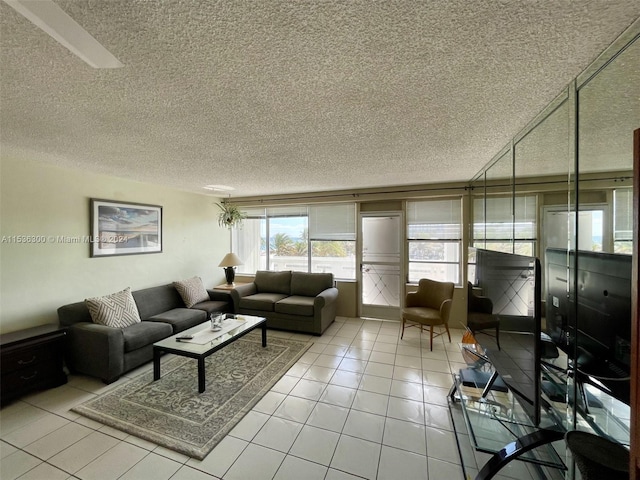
(332, 222)
(434, 220)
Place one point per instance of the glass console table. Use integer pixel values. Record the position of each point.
(501, 423)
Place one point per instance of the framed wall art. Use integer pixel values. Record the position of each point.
(121, 228)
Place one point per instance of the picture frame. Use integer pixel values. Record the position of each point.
(124, 228)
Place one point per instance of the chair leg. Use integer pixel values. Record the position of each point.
(498, 336)
(448, 334)
(431, 337)
(402, 334)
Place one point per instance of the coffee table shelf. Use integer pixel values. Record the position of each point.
(202, 351)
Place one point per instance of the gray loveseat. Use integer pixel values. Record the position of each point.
(107, 352)
(302, 302)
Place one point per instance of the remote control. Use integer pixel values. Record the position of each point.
(184, 337)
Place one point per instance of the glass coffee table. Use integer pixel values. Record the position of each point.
(206, 341)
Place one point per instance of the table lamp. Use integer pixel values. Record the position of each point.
(229, 263)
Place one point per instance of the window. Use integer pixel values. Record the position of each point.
(332, 235)
(623, 220)
(316, 238)
(497, 228)
(434, 235)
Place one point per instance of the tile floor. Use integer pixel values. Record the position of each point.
(360, 403)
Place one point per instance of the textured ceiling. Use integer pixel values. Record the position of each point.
(288, 97)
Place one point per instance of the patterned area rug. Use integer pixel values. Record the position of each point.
(171, 412)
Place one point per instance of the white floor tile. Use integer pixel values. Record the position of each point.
(344, 378)
(188, 473)
(441, 444)
(278, 434)
(405, 436)
(357, 457)
(298, 369)
(366, 426)
(250, 424)
(82, 453)
(382, 357)
(395, 464)
(319, 374)
(436, 395)
(220, 459)
(308, 389)
(16, 464)
(6, 449)
(18, 415)
(437, 416)
(45, 471)
(441, 469)
(315, 444)
(152, 467)
(294, 468)
(285, 384)
(337, 395)
(379, 369)
(353, 365)
(335, 350)
(408, 390)
(371, 402)
(295, 408)
(113, 463)
(333, 474)
(329, 417)
(55, 442)
(384, 347)
(372, 383)
(358, 353)
(329, 361)
(407, 374)
(33, 431)
(255, 463)
(408, 410)
(269, 403)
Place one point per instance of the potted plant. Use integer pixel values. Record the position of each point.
(230, 216)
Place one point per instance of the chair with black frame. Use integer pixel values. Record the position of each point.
(480, 314)
(429, 306)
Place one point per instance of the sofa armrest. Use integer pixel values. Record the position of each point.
(96, 350)
(325, 297)
(219, 295)
(242, 291)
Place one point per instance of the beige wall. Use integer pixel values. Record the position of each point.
(38, 199)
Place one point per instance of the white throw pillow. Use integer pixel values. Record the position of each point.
(192, 291)
(117, 310)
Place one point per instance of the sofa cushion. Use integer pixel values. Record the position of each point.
(117, 310)
(296, 305)
(144, 333)
(212, 306)
(261, 301)
(192, 291)
(155, 300)
(310, 284)
(181, 318)
(273, 282)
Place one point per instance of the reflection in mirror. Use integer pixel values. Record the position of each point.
(542, 162)
(499, 205)
(477, 211)
(599, 322)
(609, 111)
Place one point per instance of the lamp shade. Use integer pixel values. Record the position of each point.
(230, 260)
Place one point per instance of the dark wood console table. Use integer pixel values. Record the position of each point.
(31, 359)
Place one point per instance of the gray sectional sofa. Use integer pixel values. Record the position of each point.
(107, 352)
(302, 302)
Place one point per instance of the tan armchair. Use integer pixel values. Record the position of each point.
(430, 305)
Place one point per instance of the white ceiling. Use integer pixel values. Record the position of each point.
(294, 96)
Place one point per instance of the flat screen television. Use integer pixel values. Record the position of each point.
(513, 283)
(592, 322)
